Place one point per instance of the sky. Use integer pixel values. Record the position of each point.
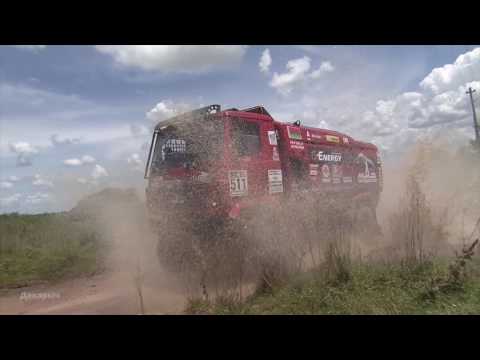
(75, 119)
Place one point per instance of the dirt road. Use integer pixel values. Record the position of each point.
(101, 294)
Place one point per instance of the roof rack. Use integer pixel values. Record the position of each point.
(258, 110)
(204, 111)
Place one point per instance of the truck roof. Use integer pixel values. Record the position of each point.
(259, 113)
(309, 133)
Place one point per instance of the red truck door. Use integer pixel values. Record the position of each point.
(254, 166)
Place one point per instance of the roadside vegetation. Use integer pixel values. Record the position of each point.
(427, 288)
(49, 247)
(46, 247)
(416, 270)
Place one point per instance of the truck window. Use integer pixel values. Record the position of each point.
(246, 137)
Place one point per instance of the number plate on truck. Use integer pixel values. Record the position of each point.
(275, 181)
(238, 182)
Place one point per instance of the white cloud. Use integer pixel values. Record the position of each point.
(31, 47)
(296, 72)
(86, 159)
(397, 122)
(99, 172)
(466, 68)
(438, 107)
(74, 119)
(40, 181)
(24, 151)
(265, 61)
(37, 198)
(175, 58)
(5, 185)
(325, 67)
(23, 147)
(73, 162)
(13, 178)
(10, 200)
(166, 109)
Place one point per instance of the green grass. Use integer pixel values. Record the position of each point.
(47, 247)
(372, 289)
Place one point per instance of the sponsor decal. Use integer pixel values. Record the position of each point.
(294, 133)
(367, 174)
(238, 180)
(325, 173)
(275, 156)
(275, 181)
(347, 179)
(316, 136)
(333, 138)
(345, 140)
(313, 169)
(272, 138)
(308, 136)
(336, 174)
(329, 157)
(296, 145)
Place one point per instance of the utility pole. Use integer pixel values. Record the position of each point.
(475, 124)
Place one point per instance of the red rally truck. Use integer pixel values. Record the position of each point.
(217, 163)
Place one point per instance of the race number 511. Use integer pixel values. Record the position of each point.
(238, 182)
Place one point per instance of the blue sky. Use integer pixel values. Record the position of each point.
(74, 119)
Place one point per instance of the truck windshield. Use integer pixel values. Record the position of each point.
(169, 152)
(192, 145)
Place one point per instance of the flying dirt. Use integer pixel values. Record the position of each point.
(237, 202)
(224, 188)
(236, 197)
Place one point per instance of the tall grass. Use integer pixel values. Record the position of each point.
(416, 227)
(46, 247)
(315, 236)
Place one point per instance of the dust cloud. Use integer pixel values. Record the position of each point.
(131, 262)
(289, 238)
(449, 178)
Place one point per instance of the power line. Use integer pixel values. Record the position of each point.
(475, 124)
